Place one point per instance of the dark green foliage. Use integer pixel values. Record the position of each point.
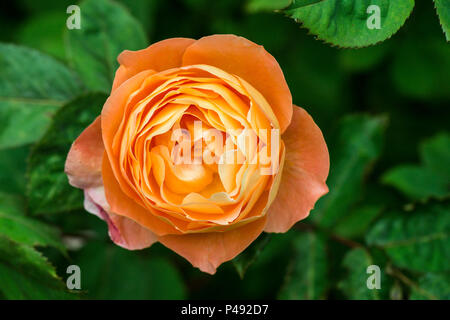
(383, 111)
(48, 188)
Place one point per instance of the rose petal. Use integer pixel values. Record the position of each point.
(84, 161)
(124, 206)
(249, 61)
(159, 56)
(122, 231)
(207, 251)
(112, 113)
(304, 174)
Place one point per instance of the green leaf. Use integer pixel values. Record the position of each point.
(435, 154)
(357, 221)
(364, 59)
(15, 226)
(443, 10)
(48, 189)
(33, 87)
(417, 240)
(44, 32)
(417, 182)
(26, 274)
(359, 144)
(250, 255)
(421, 72)
(267, 5)
(354, 285)
(145, 11)
(106, 30)
(110, 272)
(432, 286)
(302, 3)
(432, 178)
(306, 277)
(345, 23)
(13, 164)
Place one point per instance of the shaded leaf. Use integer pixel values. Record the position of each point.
(354, 285)
(435, 154)
(246, 258)
(110, 272)
(106, 30)
(363, 59)
(44, 32)
(48, 189)
(33, 87)
(417, 182)
(26, 274)
(357, 221)
(143, 10)
(15, 226)
(345, 23)
(267, 5)
(421, 72)
(432, 178)
(432, 286)
(306, 277)
(359, 144)
(443, 10)
(417, 240)
(13, 164)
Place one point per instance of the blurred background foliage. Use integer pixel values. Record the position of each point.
(384, 111)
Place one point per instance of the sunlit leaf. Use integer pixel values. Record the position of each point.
(349, 23)
(443, 10)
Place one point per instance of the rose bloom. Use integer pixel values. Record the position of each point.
(127, 160)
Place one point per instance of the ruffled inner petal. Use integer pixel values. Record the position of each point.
(187, 147)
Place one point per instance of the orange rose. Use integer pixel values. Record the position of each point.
(143, 163)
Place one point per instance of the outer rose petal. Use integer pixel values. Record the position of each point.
(207, 251)
(305, 171)
(249, 61)
(160, 56)
(84, 161)
(84, 170)
(122, 231)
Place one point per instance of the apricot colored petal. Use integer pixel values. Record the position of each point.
(207, 251)
(160, 56)
(249, 61)
(304, 173)
(122, 231)
(84, 161)
(112, 114)
(124, 206)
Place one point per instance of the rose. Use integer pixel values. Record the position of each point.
(128, 160)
